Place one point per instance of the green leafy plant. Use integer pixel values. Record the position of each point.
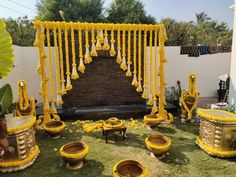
(6, 65)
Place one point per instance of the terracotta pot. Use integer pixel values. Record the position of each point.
(74, 153)
(158, 144)
(130, 168)
(54, 128)
(3, 134)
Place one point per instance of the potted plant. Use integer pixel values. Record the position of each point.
(6, 65)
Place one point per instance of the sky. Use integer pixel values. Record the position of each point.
(180, 10)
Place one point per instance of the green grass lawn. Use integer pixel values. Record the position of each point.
(184, 159)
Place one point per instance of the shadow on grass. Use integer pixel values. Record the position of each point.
(187, 127)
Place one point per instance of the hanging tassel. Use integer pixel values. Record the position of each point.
(106, 44)
(128, 72)
(98, 45)
(81, 65)
(68, 83)
(144, 95)
(59, 99)
(154, 106)
(87, 57)
(123, 64)
(135, 82)
(74, 74)
(118, 58)
(139, 88)
(112, 51)
(53, 108)
(63, 90)
(150, 100)
(93, 52)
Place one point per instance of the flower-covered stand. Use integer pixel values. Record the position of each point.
(217, 132)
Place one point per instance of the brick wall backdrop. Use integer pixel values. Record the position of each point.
(102, 84)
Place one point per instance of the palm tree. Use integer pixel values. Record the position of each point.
(202, 18)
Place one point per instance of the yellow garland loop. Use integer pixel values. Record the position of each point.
(68, 82)
(54, 129)
(59, 100)
(34, 153)
(50, 66)
(123, 64)
(81, 64)
(189, 111)
(113, 126)
(112, 50)
(23, 96)
(63, 90)
(74, 74)
(158, 147)
(115, 174)
(214, 151)
(144, 95)
(139, 88)
(87, 57)
(203, 115)
(23, 127)
(150, 101)
(78, 155)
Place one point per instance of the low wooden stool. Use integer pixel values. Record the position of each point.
(106, 131)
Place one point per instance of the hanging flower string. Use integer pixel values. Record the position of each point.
(63, 88)
(150, 100)
(154, 107)
(139, 88)
(81, 62)
(68, 81)
(87, 57)
(135, 82)
(118, 57)
(128, 73)
(106, 44)
(59, 99)
(112, 50)
(74, 74)
(144, 95)
(93, 52)
(98, 44)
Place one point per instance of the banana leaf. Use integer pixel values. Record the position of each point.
(6, 97)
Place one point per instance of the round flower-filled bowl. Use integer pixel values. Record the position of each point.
(130, 168)
(113, 122)
(158, 144)
(152, 120)
(54, 128)
(74, 153)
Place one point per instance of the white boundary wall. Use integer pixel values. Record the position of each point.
(207, 67)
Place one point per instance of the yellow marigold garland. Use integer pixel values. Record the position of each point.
(144, 95)
(87, 57)
(54, 129)
(63, 88)
(139, 88)
(158, 147)
(128, 72)
(98, 44)
(106, 44)
(118, 57)
(150, 98)
(93, 52)
(135, 82)
(58, 89)
(81, 62)
(68, 81)
(74, 74)
(112, 50)
(123, 64)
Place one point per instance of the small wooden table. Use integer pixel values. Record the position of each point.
(106, 131)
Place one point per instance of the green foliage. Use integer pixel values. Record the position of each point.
(128, 11)
(205, 32)
(6, 98)
(74, 10)
(6, 51)
(21, 31)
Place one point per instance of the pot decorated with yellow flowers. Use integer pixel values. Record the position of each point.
(129, 168)
(158, 144)
(113, 122)
(54, 128)
(74, 153)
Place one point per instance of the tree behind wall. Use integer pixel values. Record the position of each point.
(128, 11)
(74, 10)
